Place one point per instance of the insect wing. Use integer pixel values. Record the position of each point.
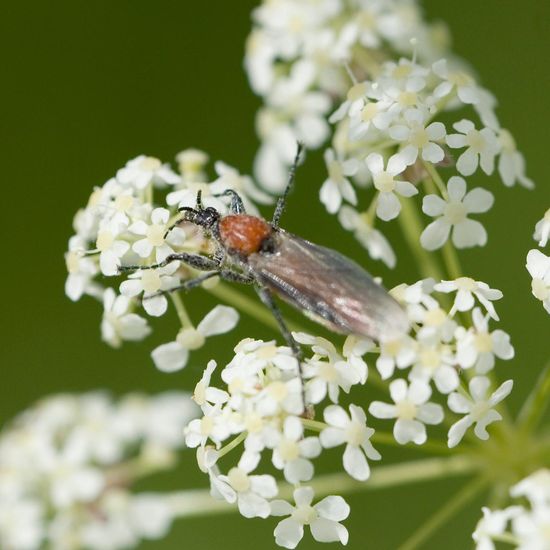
(329, 287)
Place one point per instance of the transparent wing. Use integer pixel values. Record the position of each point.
(329, 287)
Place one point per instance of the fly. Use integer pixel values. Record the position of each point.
(322, 283)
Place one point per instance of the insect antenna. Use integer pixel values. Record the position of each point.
(281, 202)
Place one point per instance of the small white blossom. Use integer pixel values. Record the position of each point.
(493, 524)
(538, 266)
(411, 409)
(419, 139)
(478, 409)
(466, 289)
(143, 171)
(376, 244)
(478, 347)
(482, 147)
(395, 353)
(542, 229)
(173, 356)
(204, 393)
(511, 164)
(111, 248)
(452, 214)
(535, 487)
(531, 528)
(323, 518)
(153, 234)
(151, 282)
(327, 371)
(353, 431)
(251, 491)
(455, 80)
(213, 425)
(292, 451)
(337, 186)
(388, 205)
(118, 322)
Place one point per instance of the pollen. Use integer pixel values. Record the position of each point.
(243, 234)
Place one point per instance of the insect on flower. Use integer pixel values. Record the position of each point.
(322, 283)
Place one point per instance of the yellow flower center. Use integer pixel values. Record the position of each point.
(150, 164)
(455, 212)
(277, 390)
(150, 281)
(406, 410)
(190, 338)
(289, 450)
(305, 514)
(475, 140)
(238, 480)
(155, 234)
(483, 342)
(355, 433)
(383, 181)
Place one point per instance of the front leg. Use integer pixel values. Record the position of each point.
(202, 263)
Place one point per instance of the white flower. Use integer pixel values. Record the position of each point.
(323, 518)
(465, 85)
(151, 282)
(204, 393)
(337, 186)
(250, 491)
(466, 288)
(542, 229)
(412, 410)
(511, 164)
(327, 371)
(191, 163)
(453, 214)
(142, 171)
(419, 138)
(395, 353)
(153, 234)
(376, 244)
(82, 270)
(531, 528)
(538, 266)
(478, 409)
(478, 347)
(388, 205)
(482, 147)
(111, 248)
(292, 451)
(435, 361)
(213, 425)
(280, 396)
(118, 322)
(535, 487)
(173, 356)
(266, 354)
(353, 431)
(22, 524)
(492, 524)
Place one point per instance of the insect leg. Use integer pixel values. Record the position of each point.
(237, 206)
(196, 261)
(267, 298)
(225, 274)
(281, 202)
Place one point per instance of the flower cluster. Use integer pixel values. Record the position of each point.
(127, 222)
(538, 263)
(307, 59)
(519, 525)
(67, 466)
(259, 405)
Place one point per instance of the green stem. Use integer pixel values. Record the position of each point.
(436, 179)
(180, 310)
(235, 443)
(198, 502)
(412, 228)
(535, 405)
(436, 520)
(452, 263)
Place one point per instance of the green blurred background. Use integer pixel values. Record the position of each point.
(88, 85)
